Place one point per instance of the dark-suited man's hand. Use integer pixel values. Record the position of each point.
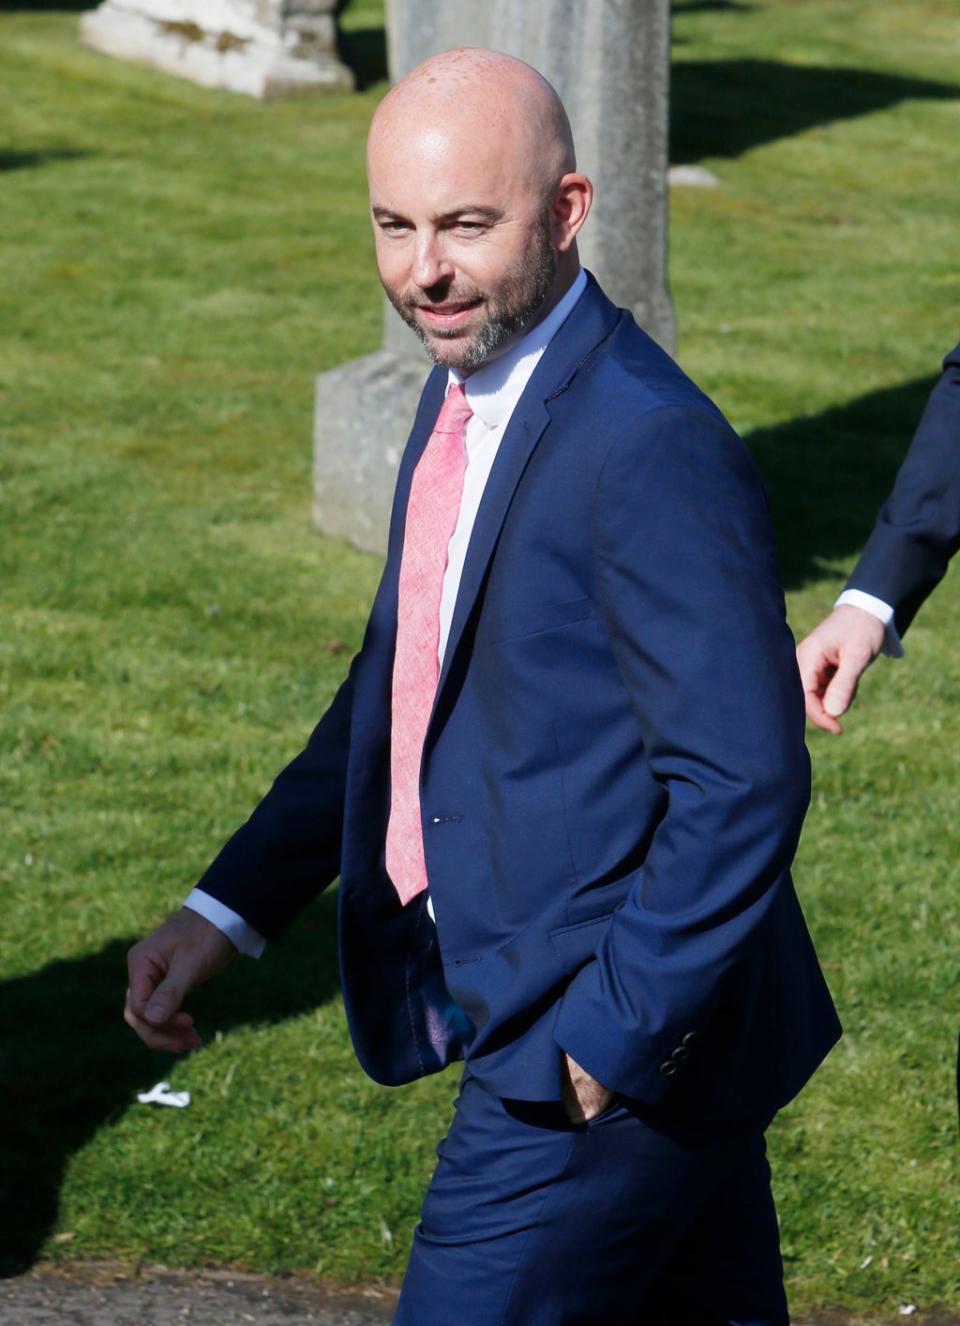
(832, 659)
(583, 1096)
(183, 952)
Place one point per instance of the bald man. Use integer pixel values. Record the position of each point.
(563, 782)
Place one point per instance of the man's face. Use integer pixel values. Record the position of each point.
(463, 242)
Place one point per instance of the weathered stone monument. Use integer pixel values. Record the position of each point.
(265, 48)
(610, 61)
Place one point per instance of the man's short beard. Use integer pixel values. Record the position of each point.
(512, 307)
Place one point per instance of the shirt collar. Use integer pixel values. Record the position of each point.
(494, 388)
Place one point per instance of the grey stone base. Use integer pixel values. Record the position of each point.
(238, 62)
(364, 411)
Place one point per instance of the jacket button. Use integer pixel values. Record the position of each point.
(679, 1054)
(690, 1037)
(668, 1067)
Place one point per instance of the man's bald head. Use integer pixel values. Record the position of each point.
(498, 103)
(475, 201)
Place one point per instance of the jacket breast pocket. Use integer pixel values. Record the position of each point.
(533, 621)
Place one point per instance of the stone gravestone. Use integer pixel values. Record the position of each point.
(265, 48)
(609, 60)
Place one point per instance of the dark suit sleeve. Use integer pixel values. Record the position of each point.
(289, 848)
(685, 565)
(918, 528)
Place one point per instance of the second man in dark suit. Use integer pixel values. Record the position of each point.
(916, 533)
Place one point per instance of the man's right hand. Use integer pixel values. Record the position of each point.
(183, 952)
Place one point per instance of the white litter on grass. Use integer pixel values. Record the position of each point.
(907, 1309)
(696, 176)
(162, 1095)
(865, 1263)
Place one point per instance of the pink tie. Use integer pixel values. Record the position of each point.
(432, 513)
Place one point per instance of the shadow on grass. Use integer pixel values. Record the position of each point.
(720, 108)
(712, 6)
(827, 474)
(70, 1064)
(364, 51)
(12, 160)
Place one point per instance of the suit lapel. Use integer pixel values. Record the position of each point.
(431, 399)
(591, 320)
(374, 664)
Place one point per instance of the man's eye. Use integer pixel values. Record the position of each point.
(393, 227)
(470, 227)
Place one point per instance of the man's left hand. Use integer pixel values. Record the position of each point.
(832, 658)
(583, 1096)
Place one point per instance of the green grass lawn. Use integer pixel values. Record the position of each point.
(176, 264)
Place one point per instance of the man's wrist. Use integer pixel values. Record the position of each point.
(858, 598)
(240, 933)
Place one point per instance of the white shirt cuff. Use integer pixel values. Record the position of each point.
(856, 598)
(242, 936)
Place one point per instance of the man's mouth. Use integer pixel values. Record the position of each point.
(450, 314)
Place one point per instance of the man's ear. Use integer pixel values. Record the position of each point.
(571, 205)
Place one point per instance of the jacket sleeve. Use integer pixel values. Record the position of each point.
(288, 851)
(685, 566)
(918, 527)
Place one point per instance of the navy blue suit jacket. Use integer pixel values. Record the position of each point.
(918, 527)
(614, 774)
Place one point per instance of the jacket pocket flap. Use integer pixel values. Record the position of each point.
(544, 617)
(577, 942)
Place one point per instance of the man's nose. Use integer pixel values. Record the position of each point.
(431, 265)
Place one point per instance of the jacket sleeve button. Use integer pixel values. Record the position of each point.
(668, 1067)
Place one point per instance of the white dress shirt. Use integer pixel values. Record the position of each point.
(493, 391)
(856, 598)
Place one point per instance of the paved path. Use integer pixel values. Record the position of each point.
(106, 1295)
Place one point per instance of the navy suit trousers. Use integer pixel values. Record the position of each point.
(530, 1220)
